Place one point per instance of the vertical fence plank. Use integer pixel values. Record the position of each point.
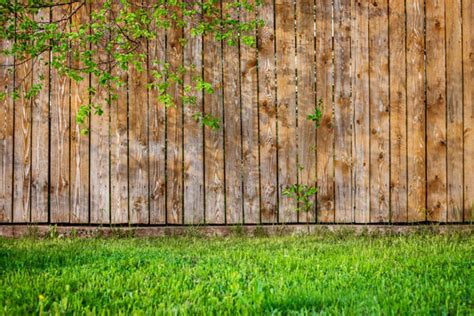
(174, 56)
(267, 114)
(99, 137)
(436, 111)
(214, 139)
(306, 100)
(468, 85)
(325, 133)
(286, 107)
(342, 111)
(193, 133)
(233, 123)
(360, 99)
(40, 133)
(455, 110)
(416, 111)
(250, 131)
(157, 142)
(398, 119)
(379, 112)
(7, 73)
(79, 143)
(60, 133)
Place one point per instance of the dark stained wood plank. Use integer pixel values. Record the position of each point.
(306, 100)
(436, 111)
(342, 111)
(119, 145)
(267, 114)
(157, 143)
(193, 133)
(60, 136)
(233, 124)
(360, 99)
(454, 99)
(416, 111)
(398, 108)
(379, 112)
(286, 107)
(40, 134)
(468, 87)
(79, 163)
(325, 133)
(7, 75)
(99, 147)
(250, 131)
(214, 139)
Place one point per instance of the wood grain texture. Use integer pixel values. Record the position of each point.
(342, 112)
(40, 133)
(157, 130)
(250, 128)
(233, 129)
(436, 111)
(174, 56)
(379, 112)
(325, 133)
(398, 114)
(7, 74)
(193, 134)
(267, 114)
(214, 139)
(60, 137)
(416, 111)
(360, 99)
(454, 99)
(468, 86)
(79, 183)
(286, 107)
(99, 147)
(119, 145)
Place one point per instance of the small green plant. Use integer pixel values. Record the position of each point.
(53, 232)
(302, 194)
(317, 114)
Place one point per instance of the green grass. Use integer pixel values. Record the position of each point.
(329, 274)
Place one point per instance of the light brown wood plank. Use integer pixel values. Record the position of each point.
(174, 53)
(360, 99)
(416, 111)
(267, 114)
(99, 148)
(157, 144)
(119, 145)
(79, 143)
(454, 99)
(379, 112)
(7, 74)
(250, 132)
(233, 131)
(325, 133)
(286, 107)
(306, 100)
(398, 108)
(342, 111)
(214, 139)
(60, 136)
(40, 134)
(193, 133)
(468, 87)
(436, 111)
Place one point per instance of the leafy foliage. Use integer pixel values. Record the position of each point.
(116, 38)
(302, 194)
(317, 114)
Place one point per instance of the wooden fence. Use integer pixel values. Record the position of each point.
(396, 143)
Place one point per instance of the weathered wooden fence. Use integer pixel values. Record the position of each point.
(396, 142)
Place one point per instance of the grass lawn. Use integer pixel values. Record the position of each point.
(328, 273)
